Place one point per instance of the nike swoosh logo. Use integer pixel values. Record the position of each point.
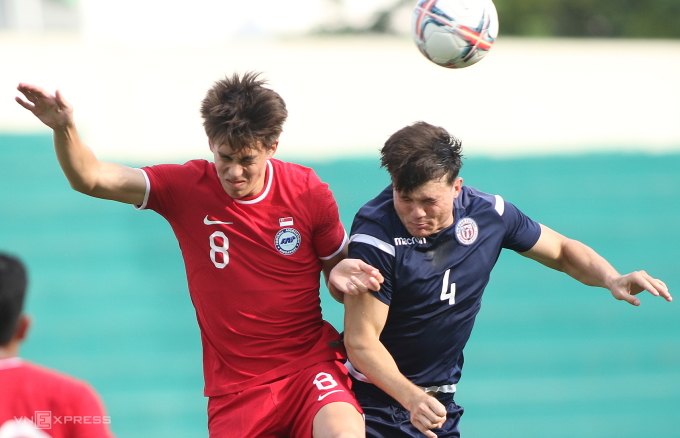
(209, 222)
(321, 397)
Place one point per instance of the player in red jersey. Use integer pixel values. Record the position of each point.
(37, 402)
(255, 233)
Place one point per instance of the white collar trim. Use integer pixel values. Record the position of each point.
(264, 194)
(11, 362)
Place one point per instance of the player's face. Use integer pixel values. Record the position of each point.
(429, 208)
(242, 173)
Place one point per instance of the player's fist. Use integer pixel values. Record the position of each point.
(427, 413)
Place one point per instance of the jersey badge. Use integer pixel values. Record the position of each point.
(287, 241)
(286, 222)
(467, 231)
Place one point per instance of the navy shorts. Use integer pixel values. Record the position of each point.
(386, 418)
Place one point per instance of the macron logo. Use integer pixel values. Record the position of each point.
(409, 241)
(208, 221)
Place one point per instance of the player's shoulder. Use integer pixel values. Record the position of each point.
(378, 217)
(198, 167)
(193, 167)
(50, 378)
(292, 171)
(298, 180)
(377, 226)
(473, 201)
(378, 208)
(289, 165)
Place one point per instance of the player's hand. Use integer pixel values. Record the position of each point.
(53, 111)
(627, 286)
(354, 277)
(427, 413)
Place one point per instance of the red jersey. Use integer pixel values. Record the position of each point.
(38, 402)
(253, 267)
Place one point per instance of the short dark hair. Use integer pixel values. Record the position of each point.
(13, 281)
(419, 153)
(240, 111)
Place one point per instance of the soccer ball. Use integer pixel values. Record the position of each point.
(454, 33)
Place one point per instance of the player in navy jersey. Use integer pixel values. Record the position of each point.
(255, 234)
(434, 243)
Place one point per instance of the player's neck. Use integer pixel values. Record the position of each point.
(8, 351)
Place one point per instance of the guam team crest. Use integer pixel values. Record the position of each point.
(467, 231)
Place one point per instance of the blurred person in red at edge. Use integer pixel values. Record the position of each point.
(37, 402)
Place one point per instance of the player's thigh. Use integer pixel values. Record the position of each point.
(249, 413)
(328, 406)
(339, 420)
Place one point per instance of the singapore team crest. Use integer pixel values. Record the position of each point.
(287, 241)
(467, 231)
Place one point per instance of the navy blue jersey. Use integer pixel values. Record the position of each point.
(433, 285)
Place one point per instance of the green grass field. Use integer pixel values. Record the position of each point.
(549, 357)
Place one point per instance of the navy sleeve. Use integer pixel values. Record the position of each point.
(370, 243)
(378, 259)
(522, 233)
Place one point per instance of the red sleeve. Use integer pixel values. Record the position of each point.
(329, 233)
(159, 181)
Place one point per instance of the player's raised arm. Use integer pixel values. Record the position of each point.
(83, 170)
(585, 265)
(365, 318)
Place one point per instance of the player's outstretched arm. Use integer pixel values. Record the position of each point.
(365, 318)
(83, 170)
(353, 277)
(585, 265)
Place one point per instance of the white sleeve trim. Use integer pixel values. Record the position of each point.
(344, 242)
(370, 240)
(355, 373)
(500, 205)
(146, 193)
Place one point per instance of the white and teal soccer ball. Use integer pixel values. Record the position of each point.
(455, 33)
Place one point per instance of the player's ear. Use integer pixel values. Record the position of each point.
(272, 149)
(23, 325)
(457, 186)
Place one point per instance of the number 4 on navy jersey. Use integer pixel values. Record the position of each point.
(448, 290)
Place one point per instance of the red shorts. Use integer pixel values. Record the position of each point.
(284, 408)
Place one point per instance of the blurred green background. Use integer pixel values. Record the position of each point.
(591, 18)
(549, 357)
(549, 18)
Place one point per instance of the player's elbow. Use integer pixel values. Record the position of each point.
(82, 186)
(571, 256)
(89, 183)
(336, 294)
(356, 343)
